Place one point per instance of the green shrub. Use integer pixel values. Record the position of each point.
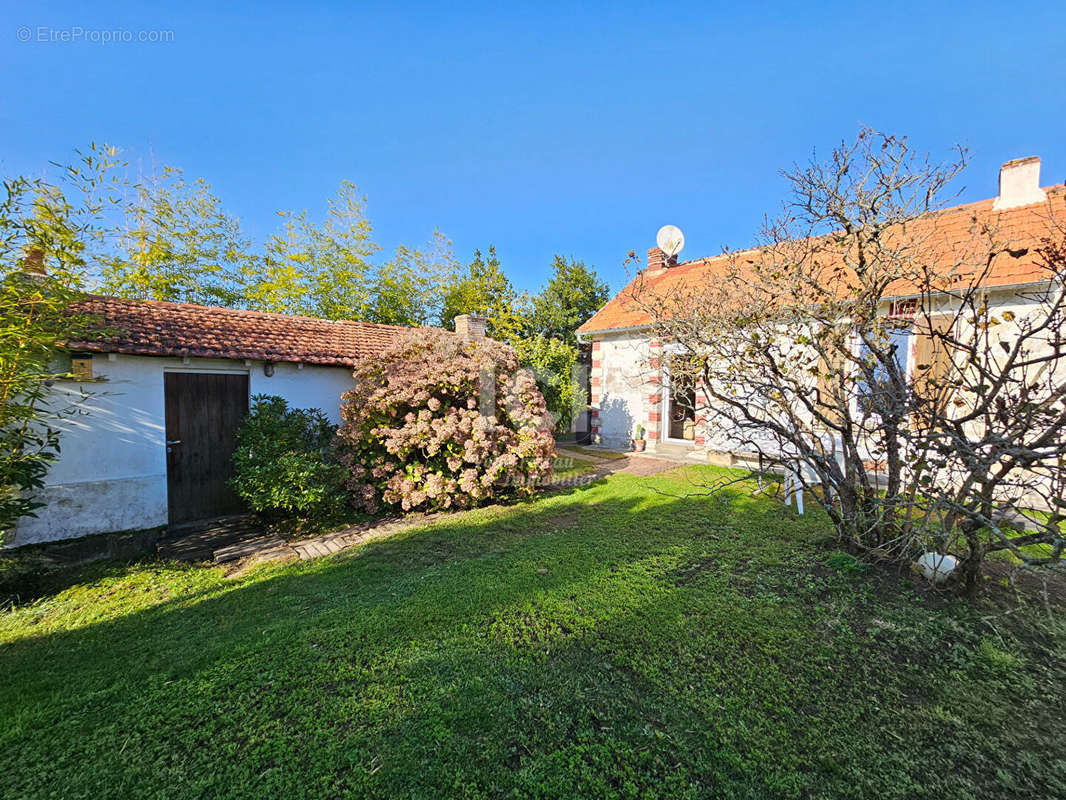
(284, 460)
(552, 362)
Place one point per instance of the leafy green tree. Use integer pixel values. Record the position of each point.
(573, 294)
(484, 288)
(552, 362)
(176, 243)
(512, 318)
(47, 230)
(410, 288)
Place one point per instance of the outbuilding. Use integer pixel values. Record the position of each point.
(148, 420)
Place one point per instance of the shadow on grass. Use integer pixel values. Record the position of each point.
(27, 575)
(24, 578)
(591, 643)
(387, 655)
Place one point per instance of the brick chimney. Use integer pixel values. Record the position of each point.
(470, 326)
(1019, 183)
(33, 263)
(657, 259)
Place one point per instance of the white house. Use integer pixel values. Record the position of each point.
(629, 379)
(156, 402)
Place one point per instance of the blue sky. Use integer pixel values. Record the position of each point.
(577, 128)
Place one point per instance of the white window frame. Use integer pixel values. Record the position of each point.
(908, 365)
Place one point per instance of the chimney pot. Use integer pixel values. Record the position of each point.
(33, 264)
(1019, 183)
(470, 326)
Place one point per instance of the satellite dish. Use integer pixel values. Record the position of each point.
(670, 240)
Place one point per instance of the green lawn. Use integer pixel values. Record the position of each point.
(566, 468)
(609, 641)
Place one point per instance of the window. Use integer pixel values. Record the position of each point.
(873, 394)
(81, 366)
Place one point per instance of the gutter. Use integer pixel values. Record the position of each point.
(1006, 287)
(583, 336)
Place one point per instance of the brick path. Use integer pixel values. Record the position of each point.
(631, 464)
(647, 465)
(336, 541)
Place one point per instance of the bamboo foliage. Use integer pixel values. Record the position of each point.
(47, 231)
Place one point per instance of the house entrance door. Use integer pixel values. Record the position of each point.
(682, 413)
(680, 405)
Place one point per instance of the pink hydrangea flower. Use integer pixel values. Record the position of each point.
(412, 435)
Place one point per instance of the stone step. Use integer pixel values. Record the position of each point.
(245, 547)
(200, 541)
(679, 452)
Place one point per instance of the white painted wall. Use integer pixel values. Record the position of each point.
(310, 387)
(624, 394)
(111, 475)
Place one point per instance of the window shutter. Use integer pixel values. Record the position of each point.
(932, 361)
(828, 388)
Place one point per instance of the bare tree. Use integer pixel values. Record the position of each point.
(990, 415)
(800, 352)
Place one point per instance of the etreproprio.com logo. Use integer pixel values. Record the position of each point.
(73, 34)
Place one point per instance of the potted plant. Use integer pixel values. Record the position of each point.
(638, 438)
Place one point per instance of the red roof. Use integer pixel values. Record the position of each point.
(156, 328)
(1023, 229)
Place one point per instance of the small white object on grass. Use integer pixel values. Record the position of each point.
(937, 567)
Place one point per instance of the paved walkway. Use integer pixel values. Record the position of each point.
(647, 465)
(629, 463)
(589, 454)
(241, 543)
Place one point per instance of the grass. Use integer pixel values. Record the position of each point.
(614, 640)
(567, 467)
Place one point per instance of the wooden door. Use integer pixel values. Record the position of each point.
(203, 411)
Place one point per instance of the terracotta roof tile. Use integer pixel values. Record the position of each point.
(156, 328)
(1022, 229)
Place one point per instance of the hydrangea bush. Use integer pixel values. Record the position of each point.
(439, 422)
